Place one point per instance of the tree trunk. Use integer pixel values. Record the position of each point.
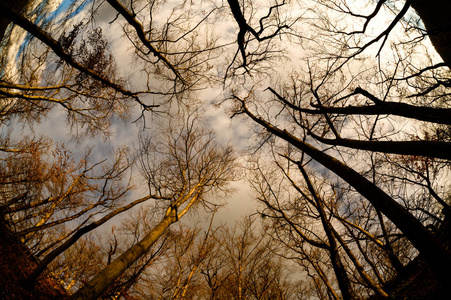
(340, 272)
(418, 235)
(95, 288)
(435, 15)
(17, 5)
(76, 236)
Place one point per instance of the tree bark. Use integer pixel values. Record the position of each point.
(435, 15)
(17, 5)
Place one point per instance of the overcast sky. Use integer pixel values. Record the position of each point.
(234, 131)
(229, 131)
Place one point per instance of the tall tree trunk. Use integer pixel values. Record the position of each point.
(97, 286)
(340, 271)
(435, 15)
(77, 235)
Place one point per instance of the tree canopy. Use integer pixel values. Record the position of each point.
(111, 132)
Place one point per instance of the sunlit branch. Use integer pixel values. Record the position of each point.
(79, 233)
(360, 269)
(44, 37)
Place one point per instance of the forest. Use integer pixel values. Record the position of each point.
(133, 132)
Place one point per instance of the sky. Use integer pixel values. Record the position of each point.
(229, 131)
(235, 131)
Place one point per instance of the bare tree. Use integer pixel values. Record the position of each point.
(52, 63)
(356, 121)
(184, 170)
(305, 214)
(243, 265)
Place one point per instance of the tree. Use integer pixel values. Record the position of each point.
(39, 198)
(333, 116)
(310, 217)
(77, 70)
(177, 275)
(183, 170)
(178, 174)
(87, 90)
(205, 265)
(138, 280)
(304, 73)
(250, 268)
(55, 201)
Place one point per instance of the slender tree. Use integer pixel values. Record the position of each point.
(183, 170)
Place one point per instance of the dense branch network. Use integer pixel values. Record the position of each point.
(246, 28)
(44, 37)
(404, 220)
